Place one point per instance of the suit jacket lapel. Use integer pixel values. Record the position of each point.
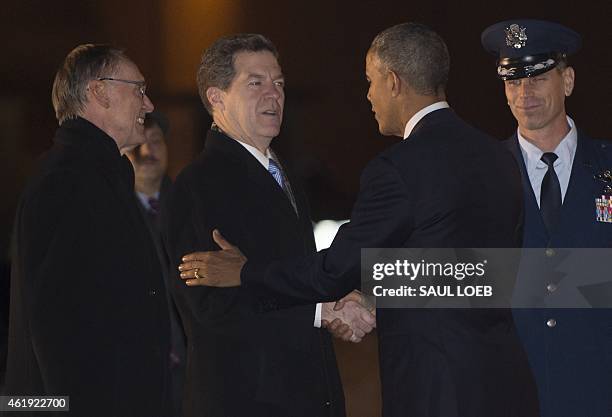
(530, 197)
(271, 191)
(581, 174)
(582, 189)
(534, 224)
(256, 174)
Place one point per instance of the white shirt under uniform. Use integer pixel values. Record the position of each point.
(536, 169)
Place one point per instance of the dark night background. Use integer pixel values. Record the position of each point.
(329, 133)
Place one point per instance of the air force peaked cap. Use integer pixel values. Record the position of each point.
(526, 47)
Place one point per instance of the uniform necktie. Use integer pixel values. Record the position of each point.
(276, 172)
(550, 194)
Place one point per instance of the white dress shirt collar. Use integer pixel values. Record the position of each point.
(565, 150)
(536, 169)
(263, 159)
(422, 113)
(144, 199)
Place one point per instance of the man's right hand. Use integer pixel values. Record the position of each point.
(349, 319)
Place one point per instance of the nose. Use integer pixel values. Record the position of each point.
(274, 91)
(526, 88)
(147, 104)
(145, 150)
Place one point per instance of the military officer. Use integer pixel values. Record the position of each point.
(565, 175)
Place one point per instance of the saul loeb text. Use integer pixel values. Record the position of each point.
(403, 278)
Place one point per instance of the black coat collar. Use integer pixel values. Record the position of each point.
(435, 117)
(94, 147)
(81, 132)
(242, 159)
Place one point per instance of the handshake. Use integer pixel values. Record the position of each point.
(349, 318)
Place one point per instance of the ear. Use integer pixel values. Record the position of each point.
(215, 97)
(568, 81)
(97, 92)
(394, 83)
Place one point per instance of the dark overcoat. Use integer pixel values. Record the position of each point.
(88, 314)
(246, 355)
(177, 334)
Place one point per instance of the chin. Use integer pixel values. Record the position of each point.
(149, 176)
(137, 138)
(384, 130)
(531, 123)
(149, 170)
(270, 132)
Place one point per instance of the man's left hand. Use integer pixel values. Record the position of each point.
(216, 268)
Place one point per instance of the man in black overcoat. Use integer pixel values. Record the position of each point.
(445, 185)
(246, 354)
(89, 318)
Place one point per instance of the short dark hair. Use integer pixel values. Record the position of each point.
(217, 64)
(416, 53)
(83, 64)
(562, 62)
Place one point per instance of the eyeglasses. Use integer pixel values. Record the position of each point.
(142, 85)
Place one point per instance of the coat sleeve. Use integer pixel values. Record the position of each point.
(68, 335)
(188, 223)
(187, 227)
(381, 217)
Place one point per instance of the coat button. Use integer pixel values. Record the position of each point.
(551, 287)
(550, 252)
(327, 404)
(152, 292)
(551, 323)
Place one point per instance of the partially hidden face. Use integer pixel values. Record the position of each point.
(150, 159)
(252, 106)
(127, 106)
(539, 102)
(379, 94)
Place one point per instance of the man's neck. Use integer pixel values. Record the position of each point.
(416, 103)
(549, 137)
(149, 188)
(261, 144)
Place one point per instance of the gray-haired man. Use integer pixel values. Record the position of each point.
(89, 318)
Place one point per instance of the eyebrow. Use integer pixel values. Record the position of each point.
(280, 75)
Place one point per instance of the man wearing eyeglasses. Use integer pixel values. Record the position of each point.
(89, 318)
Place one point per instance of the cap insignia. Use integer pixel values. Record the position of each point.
(516, 36)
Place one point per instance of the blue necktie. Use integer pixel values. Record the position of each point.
(276, 172)
(550, 194)
(153, 206)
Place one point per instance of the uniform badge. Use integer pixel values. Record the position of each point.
(603, 204)
(516, 36)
